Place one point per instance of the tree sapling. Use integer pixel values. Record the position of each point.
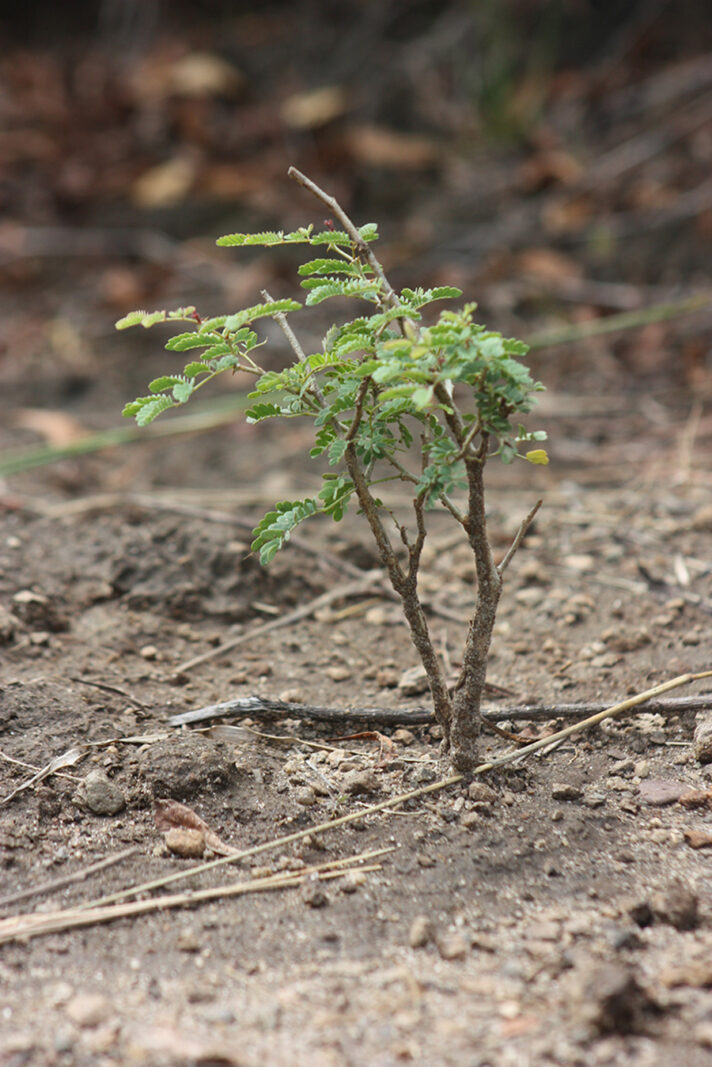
(390, 398)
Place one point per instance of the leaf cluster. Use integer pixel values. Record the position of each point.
(405, 400)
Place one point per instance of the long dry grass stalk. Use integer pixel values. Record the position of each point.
(34, 924)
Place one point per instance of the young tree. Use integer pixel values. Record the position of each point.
(390, 398)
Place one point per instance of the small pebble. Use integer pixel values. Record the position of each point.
(185, 841)
(362, 781)
(88, 1009)
(421, 932)
(453, 946)
(305, 796)
(187, 940)
(566, 791)
(702, 741)
(313, 892)
(148, 652)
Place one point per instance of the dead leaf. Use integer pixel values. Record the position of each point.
(378, 146)
(548, 265)
(56, 427)
(202, 74)
(166, 184)
(317, 107)
(171, 815)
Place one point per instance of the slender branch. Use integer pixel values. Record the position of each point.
(363, 247)
(521, 532)
(281, 319)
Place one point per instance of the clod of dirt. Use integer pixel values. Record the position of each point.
(565, 791)
(357, 782)
(313, 893)
(677, 906)
(184, 767)
(40, 612)
(702, 741)
(421, 932)
(8, 625)
(481, 793)
(99, 795)
(612, 1002)
(182, 841)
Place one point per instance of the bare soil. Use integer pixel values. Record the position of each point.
(556, 913)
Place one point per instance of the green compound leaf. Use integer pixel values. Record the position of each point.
(329, 266)
(146, 408)
(183, 341)
(275, 528)
(264, 411)
(141, 318)
(260, 311)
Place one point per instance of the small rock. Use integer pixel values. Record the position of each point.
(185, 842)
(99, 794)
(148, 652)
(566, 791)
(703, 1034)
(677, 906)
(702, 741)
(481, 793)
(187, 940)
(338, 673)
(305, 796)
(641, 768)
(453, 946)
(611, 1000)
(424, 860)
(88, 1009)
(387, 678)
(661, 791)
(313, 892)
(696, 974)
(403, 736)
(424, 774)
(421, 932)
(413, 681)
(692, 637)
(8, 625)
(470, 820)
(353, 881)
(362, 781)
(698, 838)
(696, 798)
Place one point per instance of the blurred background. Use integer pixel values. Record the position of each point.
(553, 158)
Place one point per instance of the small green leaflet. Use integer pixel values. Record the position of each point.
(147, 408)
(150, 318)
(369, 232)
(274, 529)
(259, 311)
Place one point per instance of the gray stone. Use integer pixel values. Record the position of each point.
(99, 795)
(702, 741)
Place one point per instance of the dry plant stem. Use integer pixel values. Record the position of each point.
(265, 708)
(43, 923)
(348, 225)
(68, 879)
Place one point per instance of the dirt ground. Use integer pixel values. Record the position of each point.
(558, 911)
